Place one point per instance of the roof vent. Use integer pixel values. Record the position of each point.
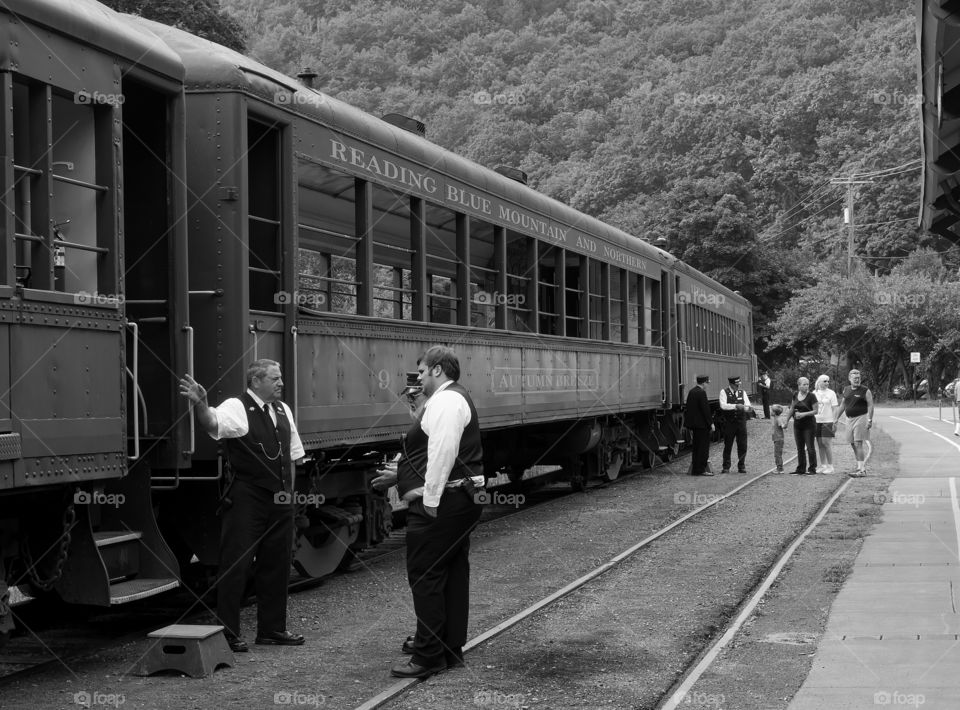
(407, 123)
(306, 77)
(512, 173)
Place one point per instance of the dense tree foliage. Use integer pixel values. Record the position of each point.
(717, 124)
(200, 17)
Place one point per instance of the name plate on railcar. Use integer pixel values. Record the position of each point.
(508, 380)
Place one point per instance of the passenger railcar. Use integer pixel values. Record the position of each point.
(223, 212)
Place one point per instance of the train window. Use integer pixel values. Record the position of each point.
(575, 296)
(653, 311)
(64, 234)
(598, 303)
(392, 255)
(549, 289)
(483, 275)
(326, 226)
(635, 328)
(521, 257)
(442, 264)
(617, 304)
(263, 217)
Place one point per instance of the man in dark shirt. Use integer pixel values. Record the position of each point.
(857, 404)
(699, 420)
(262, 446)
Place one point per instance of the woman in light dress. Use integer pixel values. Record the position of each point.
(827, 401)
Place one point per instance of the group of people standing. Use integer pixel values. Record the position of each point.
(815, 416)
(438, 474)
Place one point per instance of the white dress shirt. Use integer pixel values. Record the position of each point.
(232, 422)
(732, 405)
(445, 416)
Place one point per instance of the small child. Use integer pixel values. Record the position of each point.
(777, 435)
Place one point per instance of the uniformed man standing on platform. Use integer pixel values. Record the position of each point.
(256, 531)
(698, 419)
(438, 473)
(735, 406)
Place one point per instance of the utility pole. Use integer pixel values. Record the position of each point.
(848, 214)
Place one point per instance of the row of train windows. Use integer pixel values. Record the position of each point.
(707, 331)
(545, 290)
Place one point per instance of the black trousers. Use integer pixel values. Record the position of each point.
(805, 446)
(735, 429)
(701, 451)
(765, 398)
(438, 569)
(255, 533)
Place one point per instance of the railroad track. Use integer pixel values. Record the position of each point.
(676, 695)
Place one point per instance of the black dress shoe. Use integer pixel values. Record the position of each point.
(237, 645)
(741, 470)
(407, 647)
(280, 638)
(412, 670)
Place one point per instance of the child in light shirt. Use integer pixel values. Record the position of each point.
(776, 433)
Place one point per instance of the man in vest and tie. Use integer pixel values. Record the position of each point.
(262, 446)
(438, 473)
(735, 406)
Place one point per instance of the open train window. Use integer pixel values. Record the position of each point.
(598, 300)
(653, 312)
(617, 277)
(442, 264)
(483, 275)
(549, 270)
(392, 255)
(326, 226)
(635, 329)
(521, 258)
(264, 223)
(63, 195)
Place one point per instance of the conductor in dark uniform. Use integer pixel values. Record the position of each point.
(734, 406)
(699, 420)
(262, 445)
(438, 473)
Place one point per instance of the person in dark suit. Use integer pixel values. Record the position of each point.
(256, 531)
(699, 420)
(438, 473)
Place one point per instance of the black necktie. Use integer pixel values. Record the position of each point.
(266, 410)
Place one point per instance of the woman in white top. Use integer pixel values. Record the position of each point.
(827, 400)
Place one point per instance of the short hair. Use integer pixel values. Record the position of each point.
(803, 379)
(777, 409)
(258, 368)
(444, 357)
(852, 371)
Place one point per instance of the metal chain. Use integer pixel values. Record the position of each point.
(68, 520)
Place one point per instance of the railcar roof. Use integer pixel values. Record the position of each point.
(938, 41)
(213, 67)
(97, 25)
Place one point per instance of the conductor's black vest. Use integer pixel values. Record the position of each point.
(262, 457)
(735, 398)
(412, 468)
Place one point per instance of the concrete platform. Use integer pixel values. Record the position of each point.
(893, 635)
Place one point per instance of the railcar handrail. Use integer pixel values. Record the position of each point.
(135, 376)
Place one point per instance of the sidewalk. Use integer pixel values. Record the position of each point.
(893, 635)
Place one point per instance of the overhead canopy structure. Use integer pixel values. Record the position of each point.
(938, 40)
